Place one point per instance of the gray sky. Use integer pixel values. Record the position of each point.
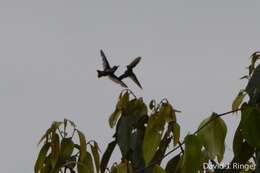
(193, 53)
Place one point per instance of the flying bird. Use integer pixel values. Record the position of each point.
(108, 71)
(129, 71)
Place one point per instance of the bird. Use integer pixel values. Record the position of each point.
(129, 72)
(108, 71)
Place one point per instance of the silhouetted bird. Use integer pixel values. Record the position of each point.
(108, 71)
(129, 72)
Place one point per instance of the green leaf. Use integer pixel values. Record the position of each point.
(238, 100)
(121, 105)
(254, 57)
(45, 136)
(113, 169)
(242, 150)
(204, 158)
(125, 126)
(171, 166)
(213, 136)
(152, 136)
(55, 125)
(157, 169)
(167, 112)
(47, 166)
(257, 169)
(122, 168)
(250, 125)
(95, 153)
(136, 152)
(164, 144)
(41, 157)
(191, 158)
(55, 149)
(66, 148)
(107, 155)
(86, 164)
(72, 123)
(176, 130)
(254, 83)
(83, 145)
(114, 117)
(123, 101)
(71, 163)
(135, 107)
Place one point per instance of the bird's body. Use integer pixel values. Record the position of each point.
(108, 71)
(129, 72)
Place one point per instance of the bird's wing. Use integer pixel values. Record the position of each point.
(104, 60)
(134, 62)
(134, 78)
(116, 80)
(124, 75)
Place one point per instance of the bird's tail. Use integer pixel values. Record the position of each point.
(100, 74)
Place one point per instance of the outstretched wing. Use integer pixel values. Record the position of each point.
(124, 75)
(134, 62)
(116, 80)
(104, 60)
(134, 78)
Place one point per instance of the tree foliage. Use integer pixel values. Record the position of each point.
(147, 134)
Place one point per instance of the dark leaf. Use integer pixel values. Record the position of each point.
(41, 157)
(171, 166)
(106, 156)
(191, 158)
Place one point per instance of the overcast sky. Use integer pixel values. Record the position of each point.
(193, 53)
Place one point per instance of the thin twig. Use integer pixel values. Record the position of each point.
(60, 133)
(182, 150)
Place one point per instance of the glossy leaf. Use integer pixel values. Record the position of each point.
(95, 153)
(213, 136)
(250, 125)
(41, 157)
(191, 158)
(106, 156)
